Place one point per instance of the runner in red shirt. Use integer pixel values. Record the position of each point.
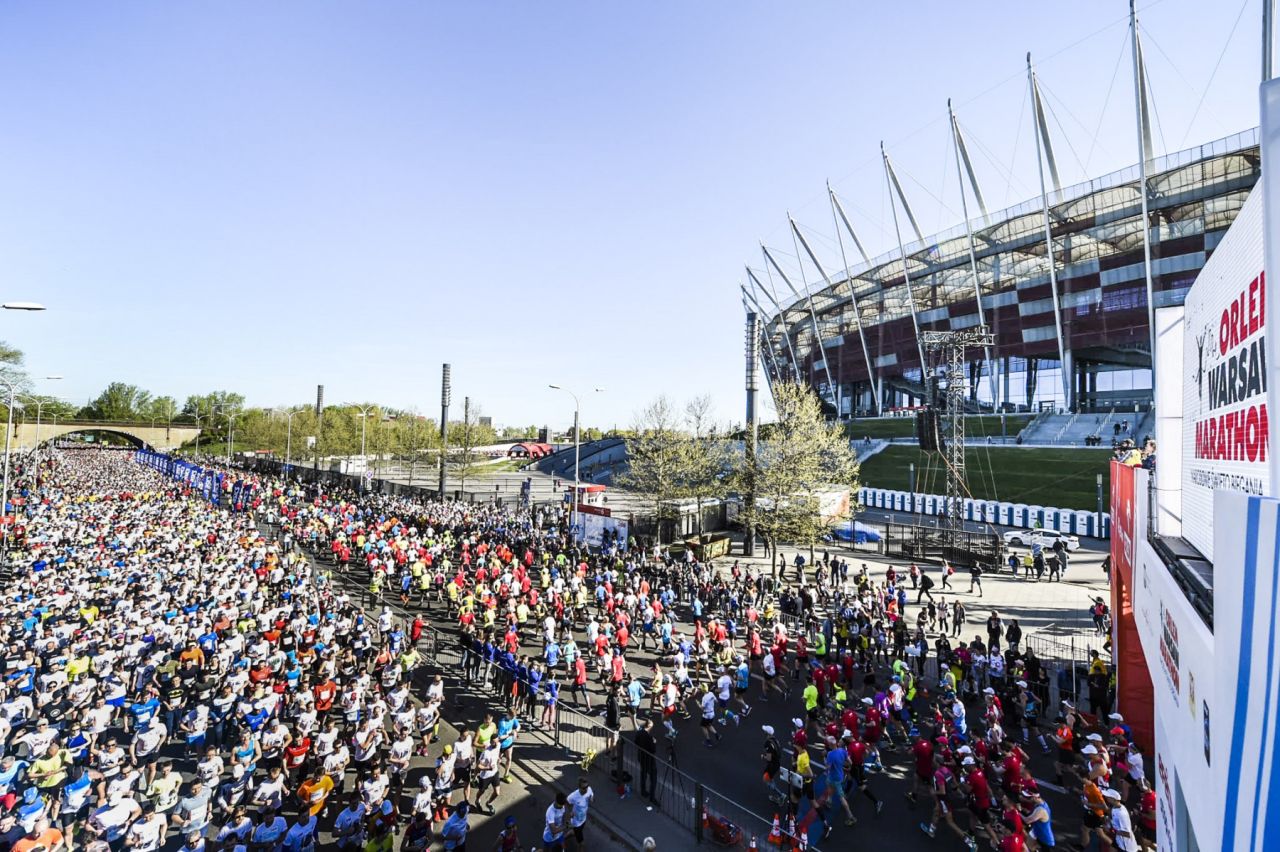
(324, 694)
(979, 801)
(800, 739)
(849, 718)
(858, 753)
(819, 680)
(619, 668)
(940, 784)
(832, 672)
(1011, 770)
(922, 755)
(1010, 842)
(1011, 817)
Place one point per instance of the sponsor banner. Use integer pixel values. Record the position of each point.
(1270, 183)
(1123, 513)
(1241, 739)
(1182, 688)
(1225, 422)
(591, 529)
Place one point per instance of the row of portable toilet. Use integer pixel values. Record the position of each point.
(1074, 521)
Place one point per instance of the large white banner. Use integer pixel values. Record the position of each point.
(1270, 110)
(1224, 444)
(1245, 735)
(592, 528)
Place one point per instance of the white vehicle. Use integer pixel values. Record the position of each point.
(1044, 538)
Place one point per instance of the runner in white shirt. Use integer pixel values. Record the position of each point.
(708, 704)
(579, 802)
(1120, 822)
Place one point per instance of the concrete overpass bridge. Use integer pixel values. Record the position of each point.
(27, 435)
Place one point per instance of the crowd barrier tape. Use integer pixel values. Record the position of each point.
(1073, 521)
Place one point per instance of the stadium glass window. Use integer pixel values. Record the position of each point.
(1124, 299)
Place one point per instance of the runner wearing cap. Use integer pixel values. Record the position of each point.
(771, 754)
(509, 838)
(1119, 823)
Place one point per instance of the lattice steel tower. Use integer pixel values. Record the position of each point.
(946, 350)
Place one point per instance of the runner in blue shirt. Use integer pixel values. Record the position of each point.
(836, 759)
(508, 727)
(454, 830)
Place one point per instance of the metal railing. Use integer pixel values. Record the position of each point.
(1065, 657)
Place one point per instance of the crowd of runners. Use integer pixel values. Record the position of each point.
(188, 677)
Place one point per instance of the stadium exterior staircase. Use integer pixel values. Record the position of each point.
(1071, 430)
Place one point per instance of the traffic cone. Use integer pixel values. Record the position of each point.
(775, 832)
(753, 845)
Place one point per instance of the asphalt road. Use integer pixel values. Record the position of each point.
(732, 768)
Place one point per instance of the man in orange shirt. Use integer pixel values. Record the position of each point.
(324, 694)
(314, 792)
(41, 838)
(192, 652)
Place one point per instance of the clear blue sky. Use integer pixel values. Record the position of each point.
(261, 197)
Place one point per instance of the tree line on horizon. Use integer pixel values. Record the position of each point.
(679, 455)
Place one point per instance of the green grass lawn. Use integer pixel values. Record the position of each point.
(1065, 479)
(504, 466)
(904, 427)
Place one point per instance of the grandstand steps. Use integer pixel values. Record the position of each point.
(1071, 430)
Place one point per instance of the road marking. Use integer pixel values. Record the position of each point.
(1048, 786)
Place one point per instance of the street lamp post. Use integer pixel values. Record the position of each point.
(577, 449)
(231, 429)
(198, 417)
(288, 436)
(4, 489)
(40, 404)
(207, 416)
(364, 461)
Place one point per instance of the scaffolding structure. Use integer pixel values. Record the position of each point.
(946, 350)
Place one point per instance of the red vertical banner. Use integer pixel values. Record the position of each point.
(1135, 698)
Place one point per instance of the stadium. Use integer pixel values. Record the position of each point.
(1060, 320)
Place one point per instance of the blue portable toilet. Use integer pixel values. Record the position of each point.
(1080, 522)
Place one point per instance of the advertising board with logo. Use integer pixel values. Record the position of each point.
(1225, 425)
(592, 529)
(1180, 655)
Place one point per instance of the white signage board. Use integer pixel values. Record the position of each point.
(1224, 377)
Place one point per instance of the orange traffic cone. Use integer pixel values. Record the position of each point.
(775, 832)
